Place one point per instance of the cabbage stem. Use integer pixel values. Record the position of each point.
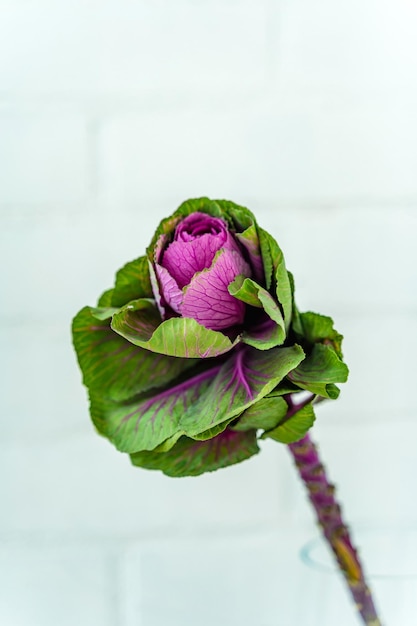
(322, 496)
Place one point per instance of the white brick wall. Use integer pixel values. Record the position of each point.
(114, 49)
(44, 159)
(83, 575)
(359, 48)
(111, 114)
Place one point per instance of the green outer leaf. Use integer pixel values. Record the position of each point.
(266, 414)
(114, 367)
(246, 377)
(196, 405)
(214, 431)
(192, 458)
(140, 323)
(320, 368)
(250, 241)
(327, 391)
(240, 217)
(105, 299)
(202, 205)
(103, 313)
(263, 338)
(317, 328)
(248, 291)
(285, 387)
(147, 422)
(132, 282)
(276, 272)
(168, 443)
(293, 428)
(267, 260)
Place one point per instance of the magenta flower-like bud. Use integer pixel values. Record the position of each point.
(196, 268)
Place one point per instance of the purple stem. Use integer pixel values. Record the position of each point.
(329, 517)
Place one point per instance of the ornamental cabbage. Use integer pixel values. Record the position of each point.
(199, 350)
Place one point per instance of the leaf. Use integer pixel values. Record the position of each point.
(113, 366)
(246, 232)
(194, 406)
(247, 290)
(293, 428)
(148, 421)
(168, 443)
(285, 387)
(266, 414)
(214, 431)
(203, 205)
(140, 323)
(192, 458)
(207, 298)
(105, 298)
(103, 313)
(276, 273)
(250, 241)
(319, 371)
(132, 282)
(238, 217)
(263, 335)
(316, 328)
(168, 224)
(246, 377)
(251, 293)
(183, 258)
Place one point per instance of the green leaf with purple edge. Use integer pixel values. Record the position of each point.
(319, 371)
(246, 377)
(251, 293)
(192, 458)
(276, 274)
(114, 367)
(265, 414)
(132, 282)
(140, 323)
(146, 422)
(293, 428)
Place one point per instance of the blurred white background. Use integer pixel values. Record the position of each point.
(111, 114)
